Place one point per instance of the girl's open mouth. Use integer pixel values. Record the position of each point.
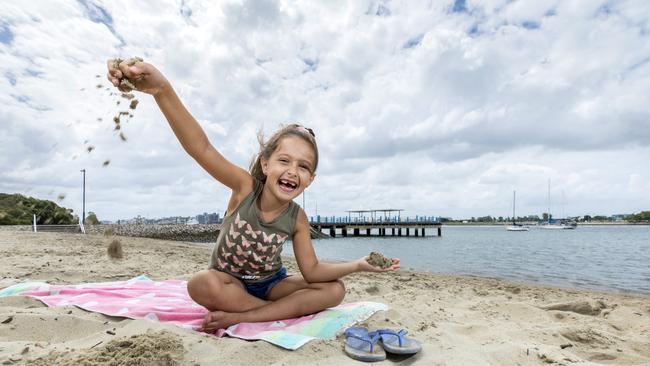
(287, 185)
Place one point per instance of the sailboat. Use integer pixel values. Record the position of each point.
(553, 224)
(515, 226)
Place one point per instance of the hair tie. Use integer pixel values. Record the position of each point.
(306, 130)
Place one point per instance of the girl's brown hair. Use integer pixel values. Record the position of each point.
(267, 148)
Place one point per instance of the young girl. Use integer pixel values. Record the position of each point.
(246, 281)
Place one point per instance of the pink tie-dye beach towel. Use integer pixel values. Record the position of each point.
(168, 301)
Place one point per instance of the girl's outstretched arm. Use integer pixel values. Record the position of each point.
(149, 80)
(315, 271)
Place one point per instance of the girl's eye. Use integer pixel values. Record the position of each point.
(284, 160)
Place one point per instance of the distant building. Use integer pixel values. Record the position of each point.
(208, 218)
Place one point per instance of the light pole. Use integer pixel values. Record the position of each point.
(83, 217)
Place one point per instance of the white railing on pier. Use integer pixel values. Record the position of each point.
(374, 220)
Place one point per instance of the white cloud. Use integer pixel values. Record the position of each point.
(415, 106)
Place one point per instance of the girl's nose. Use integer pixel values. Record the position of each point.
(293, 170)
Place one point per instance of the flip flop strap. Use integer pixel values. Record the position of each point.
(367, 339)
(400, 335)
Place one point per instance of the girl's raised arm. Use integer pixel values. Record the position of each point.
(148, 79)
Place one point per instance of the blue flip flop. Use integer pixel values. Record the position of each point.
(363, 345)
(398, 343)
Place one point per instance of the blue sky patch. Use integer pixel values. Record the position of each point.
(28, 102)
(605, 9)
(185, 10)
(413, 42)
(21, 98)
(97, 14)
(382, 11)
(312, 65)
(460, 6)
(638, 65)
(34, 73)
(530, 24)
(11, 77)
(6, 35)
(474, 30)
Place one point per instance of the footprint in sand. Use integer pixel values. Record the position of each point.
(588, 337)
(602, 357)
(372, 290)
(579, 307)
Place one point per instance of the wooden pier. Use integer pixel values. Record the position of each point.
(373, 225)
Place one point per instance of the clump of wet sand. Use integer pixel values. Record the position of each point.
(379, 260)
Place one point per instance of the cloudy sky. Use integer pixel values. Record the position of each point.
(435, 107)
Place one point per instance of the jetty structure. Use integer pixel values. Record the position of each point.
(378, 222)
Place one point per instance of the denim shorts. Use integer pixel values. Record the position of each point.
(262, 288)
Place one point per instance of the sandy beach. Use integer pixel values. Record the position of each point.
(459, 320)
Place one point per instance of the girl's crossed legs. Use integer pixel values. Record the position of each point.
(229, 302)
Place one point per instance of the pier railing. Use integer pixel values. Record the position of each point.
(374, 220)
(374, 226)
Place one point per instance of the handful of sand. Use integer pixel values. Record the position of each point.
(125, 84)
(377, 259)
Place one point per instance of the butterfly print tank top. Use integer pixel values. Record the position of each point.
(249, 248)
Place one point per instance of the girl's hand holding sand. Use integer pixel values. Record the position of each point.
(144, 76)
(367, 267)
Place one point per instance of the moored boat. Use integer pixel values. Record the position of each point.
(515, 226)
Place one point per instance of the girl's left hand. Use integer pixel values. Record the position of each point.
(367, 267)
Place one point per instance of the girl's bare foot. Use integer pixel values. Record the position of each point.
(218, 320)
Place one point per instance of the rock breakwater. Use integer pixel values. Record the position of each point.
(192, 233)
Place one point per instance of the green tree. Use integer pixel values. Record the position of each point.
(641, 216)
(91, 219)
(16, 209)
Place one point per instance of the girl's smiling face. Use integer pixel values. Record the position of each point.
(289, 169)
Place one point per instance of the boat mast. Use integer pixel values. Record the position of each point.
(549, 201)
(513, 207)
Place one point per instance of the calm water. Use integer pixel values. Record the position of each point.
(594, 257)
